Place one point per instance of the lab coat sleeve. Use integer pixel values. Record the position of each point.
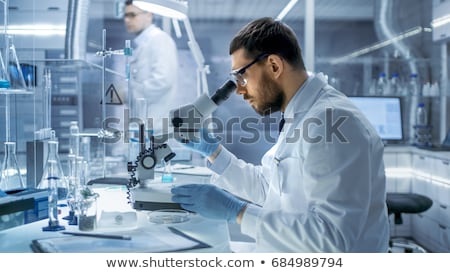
(240, 178)
(337, 185)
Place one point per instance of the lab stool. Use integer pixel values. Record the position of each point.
(399, 203)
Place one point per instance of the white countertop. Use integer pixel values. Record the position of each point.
(415, 150)
(113, 200)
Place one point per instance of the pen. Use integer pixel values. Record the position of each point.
(98, 235)
(183, 167)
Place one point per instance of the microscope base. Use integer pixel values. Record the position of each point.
(154, 196)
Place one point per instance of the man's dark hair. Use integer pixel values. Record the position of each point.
(129, 2)
(266, 35)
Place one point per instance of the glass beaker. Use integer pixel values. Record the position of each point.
(52, 169)
(10, 177)
(167, 176)
(87, 219)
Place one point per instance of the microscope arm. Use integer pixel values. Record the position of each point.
(186, 120)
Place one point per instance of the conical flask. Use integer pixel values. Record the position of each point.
(4, 78)
(53, 171)
(10, 177)
(16, 78)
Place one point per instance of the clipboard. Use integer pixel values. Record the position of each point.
(142, 241)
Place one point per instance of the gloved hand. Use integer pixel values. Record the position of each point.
(2, 193)
(206, 145)
(208, 200)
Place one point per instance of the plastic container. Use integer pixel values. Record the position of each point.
(381, 85)
(413, 85)
(395, 85)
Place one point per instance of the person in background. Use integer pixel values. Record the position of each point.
(153, 65)
(321, 187)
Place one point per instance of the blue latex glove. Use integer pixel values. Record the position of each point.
(206, 145)
(208, 200)
(2, 193)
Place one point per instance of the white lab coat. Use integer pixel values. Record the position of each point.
(314, 197)
(154, 66)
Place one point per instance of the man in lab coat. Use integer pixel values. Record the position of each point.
(153, 66)
(321, 187)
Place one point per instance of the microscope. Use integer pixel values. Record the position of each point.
(186, 121)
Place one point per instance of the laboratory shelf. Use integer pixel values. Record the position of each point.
(15, 92)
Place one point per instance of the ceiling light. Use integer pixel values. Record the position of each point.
(37, 30)
(440, 21)
(176, 9)
(286, 10)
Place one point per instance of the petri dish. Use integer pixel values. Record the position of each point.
(168, 216)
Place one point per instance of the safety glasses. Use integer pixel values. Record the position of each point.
(238, 74)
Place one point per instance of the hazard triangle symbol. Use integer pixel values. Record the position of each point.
(112, 97)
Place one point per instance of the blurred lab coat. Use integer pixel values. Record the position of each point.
(314, 195)
(154, 73)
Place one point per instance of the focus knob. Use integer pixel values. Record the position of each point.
(148, 162)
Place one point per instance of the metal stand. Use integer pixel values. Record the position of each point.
(104, 134)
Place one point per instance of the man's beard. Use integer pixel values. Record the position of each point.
(271, 97)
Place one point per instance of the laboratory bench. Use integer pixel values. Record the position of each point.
(408, 170)
(211, 232)
(113, 203)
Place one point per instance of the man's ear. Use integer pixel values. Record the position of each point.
(276, 65)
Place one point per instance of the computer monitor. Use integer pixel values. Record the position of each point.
(385, 114)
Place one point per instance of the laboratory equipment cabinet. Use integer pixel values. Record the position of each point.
(409, 169)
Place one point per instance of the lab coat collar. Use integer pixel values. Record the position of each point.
(143, 36)
(306, 95)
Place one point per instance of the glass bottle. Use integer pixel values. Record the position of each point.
(413, 85)
(10, 177)
(395, 85)
(421, 115)
(53, 171)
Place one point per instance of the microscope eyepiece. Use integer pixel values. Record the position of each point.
(224, 92)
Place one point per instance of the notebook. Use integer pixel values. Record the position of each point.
(142, 241)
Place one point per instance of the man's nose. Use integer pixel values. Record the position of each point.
(240, 90)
